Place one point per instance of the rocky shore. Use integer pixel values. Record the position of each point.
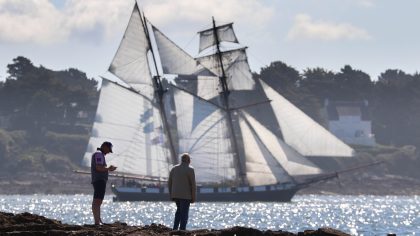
(30, 224)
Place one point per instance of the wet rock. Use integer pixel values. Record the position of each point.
(34, 225)
(323, 232)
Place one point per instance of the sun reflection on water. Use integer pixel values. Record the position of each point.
(357, 215)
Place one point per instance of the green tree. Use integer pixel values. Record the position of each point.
(319, 82)
(396, 108)
(42, 108)
(20, 68)
(280, 76)
(38, 97)
(286, 80)
(352, 85)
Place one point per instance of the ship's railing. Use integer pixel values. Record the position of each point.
(207, 190)
(261, 188)
(152, 190)
(242, 189)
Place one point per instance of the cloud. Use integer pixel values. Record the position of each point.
(36, 21)
(82, 15)
(40, 21)
(305, 28)
(174, 13)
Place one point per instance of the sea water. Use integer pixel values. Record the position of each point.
(357, 215)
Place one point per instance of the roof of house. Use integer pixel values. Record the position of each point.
(336, 109)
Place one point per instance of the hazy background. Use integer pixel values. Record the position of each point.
(309, 51)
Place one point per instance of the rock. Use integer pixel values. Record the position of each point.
(31, 224)
(323, 232)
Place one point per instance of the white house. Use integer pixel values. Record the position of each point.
(350, 122)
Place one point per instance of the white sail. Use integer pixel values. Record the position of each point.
(235, 64)
(261, 166)
(133, 124)
(175, 60)
(208, 87)
(205, 87)
(202, 131)
(301, 132)
(287, 157)
(239, 76)
(130, 63)
(225, 33)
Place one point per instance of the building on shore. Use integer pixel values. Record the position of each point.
(350, 121)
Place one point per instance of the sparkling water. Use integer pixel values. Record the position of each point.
(357, 215)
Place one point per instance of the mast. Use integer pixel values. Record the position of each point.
(226, 92)
(160, 91)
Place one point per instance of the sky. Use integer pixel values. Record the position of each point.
(369, 35)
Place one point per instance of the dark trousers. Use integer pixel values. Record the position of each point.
(181, 214)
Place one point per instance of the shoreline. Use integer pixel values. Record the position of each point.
(32, 224)
(71, 183)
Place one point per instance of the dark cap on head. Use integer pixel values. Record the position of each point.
(107, 144)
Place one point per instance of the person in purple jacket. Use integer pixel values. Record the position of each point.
(99, 172)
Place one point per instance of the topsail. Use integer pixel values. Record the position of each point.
(224, 32)
(130, 63)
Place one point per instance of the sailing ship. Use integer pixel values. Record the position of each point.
(247, 142)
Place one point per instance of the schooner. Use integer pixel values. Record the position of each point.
(247, 142)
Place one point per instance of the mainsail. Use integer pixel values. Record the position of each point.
(133, 124)
(133, 120)
(202, 132)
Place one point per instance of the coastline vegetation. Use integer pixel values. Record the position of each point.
(46, 115)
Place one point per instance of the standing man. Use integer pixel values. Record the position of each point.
(99, 171)
(182, 190)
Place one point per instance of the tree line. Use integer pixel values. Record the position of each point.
(37, 98)
(43, 106)
(46, 117)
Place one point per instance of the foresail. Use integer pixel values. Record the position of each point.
(301, 132)
(175, 60)
(202, 131)
(133, 124)
(289, 159)
(261, 166)
(130, 63)
(225, 34)
(236, 67)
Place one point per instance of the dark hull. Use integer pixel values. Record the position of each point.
(278, 195)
